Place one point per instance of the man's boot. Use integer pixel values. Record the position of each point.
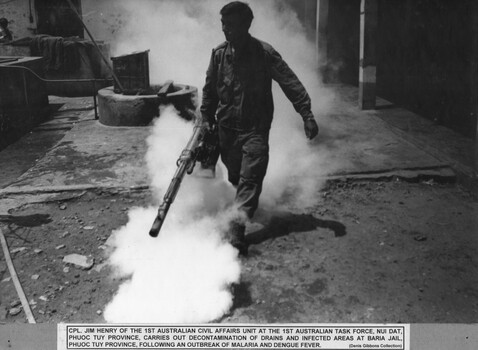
(237, 237)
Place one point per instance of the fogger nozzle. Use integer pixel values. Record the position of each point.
(158, 222)
(154, 231)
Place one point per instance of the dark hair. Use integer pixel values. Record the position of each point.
(240, 8)
(3, 22)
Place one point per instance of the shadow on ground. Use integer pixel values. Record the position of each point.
(275, 224)
(278, 224)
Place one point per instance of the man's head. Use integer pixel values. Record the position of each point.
(236, 20)
(3, 22)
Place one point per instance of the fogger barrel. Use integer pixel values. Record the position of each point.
(185, 164)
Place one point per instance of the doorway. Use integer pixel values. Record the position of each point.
(56, 18)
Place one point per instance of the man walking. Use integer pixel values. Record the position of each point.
(237, 96)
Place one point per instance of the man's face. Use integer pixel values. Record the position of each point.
(234, 27)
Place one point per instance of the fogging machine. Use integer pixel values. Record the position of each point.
(203, 147)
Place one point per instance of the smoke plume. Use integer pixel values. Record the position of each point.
(184, 275)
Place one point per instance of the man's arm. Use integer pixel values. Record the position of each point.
(210, 99)
(295, 92)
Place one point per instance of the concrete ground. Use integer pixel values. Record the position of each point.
(384, 217)
(73, 150)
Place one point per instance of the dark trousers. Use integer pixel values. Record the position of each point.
(245, 155)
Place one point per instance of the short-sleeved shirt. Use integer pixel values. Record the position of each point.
(238, 89)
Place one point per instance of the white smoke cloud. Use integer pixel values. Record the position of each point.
(184, 274)
(181, 276)
(180, 35)
(297, 167)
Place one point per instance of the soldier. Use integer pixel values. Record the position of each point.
(237, 96)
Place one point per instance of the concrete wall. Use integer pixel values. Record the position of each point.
(424, 59)
(90, 64)
(424, 56)
(103, 17)
(18, 15)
